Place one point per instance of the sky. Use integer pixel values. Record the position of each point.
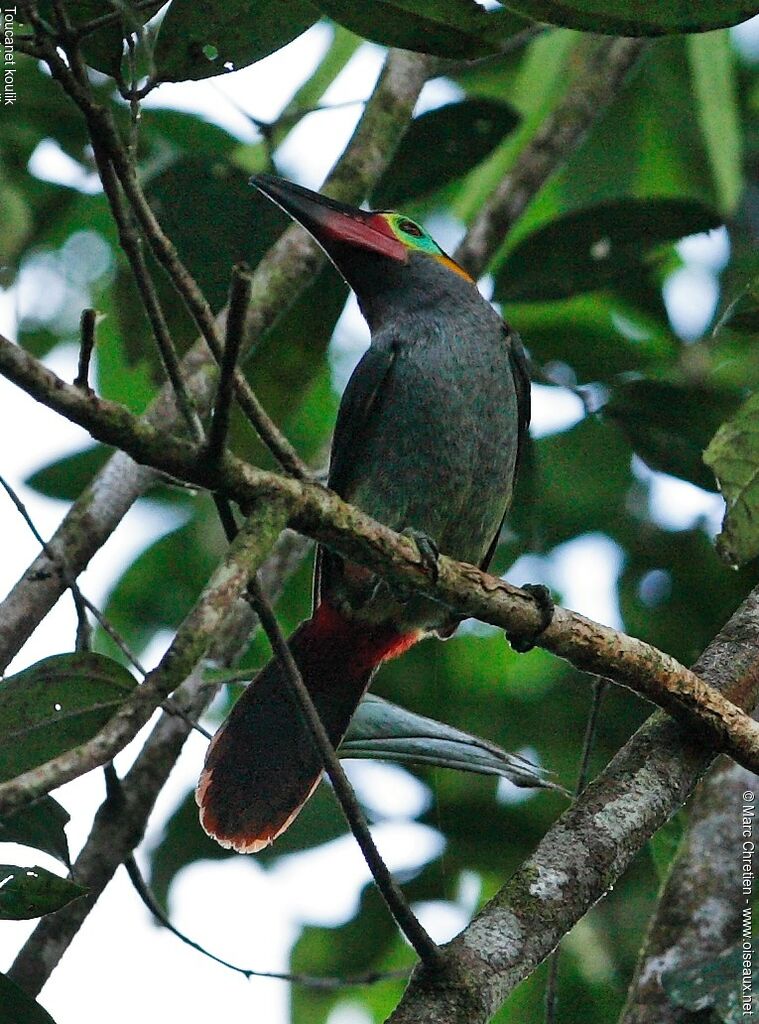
(235, 908)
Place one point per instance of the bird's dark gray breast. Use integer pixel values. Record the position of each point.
(441, 449)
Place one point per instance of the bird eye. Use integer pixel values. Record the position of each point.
(408, 227)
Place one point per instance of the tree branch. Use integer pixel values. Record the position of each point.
(192, 639)
(585, 852)
(114, 836)
(321, 514)
(698, 915)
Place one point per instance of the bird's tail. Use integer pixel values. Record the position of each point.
(262, 766)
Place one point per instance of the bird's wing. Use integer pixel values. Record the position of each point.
(521, 375)
(359, 400)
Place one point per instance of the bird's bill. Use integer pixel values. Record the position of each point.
(330, 221)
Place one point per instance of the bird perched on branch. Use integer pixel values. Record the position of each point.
(427, 439)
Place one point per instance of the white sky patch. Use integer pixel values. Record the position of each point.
(677, 504)
(583, 571)
(48, 162)
(709, 249)
(691, 294)
(554, 410)
(442, 919)
(350, 1013)
(323, 886)
(388, 790)
(436, 93)
(745, 38)
(310, 150)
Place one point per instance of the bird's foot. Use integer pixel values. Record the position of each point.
(429, 552)
(542, 597)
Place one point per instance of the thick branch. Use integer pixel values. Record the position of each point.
(699, 910)
(585, 852)
(321, 514)
(192, 640)
(116, 831)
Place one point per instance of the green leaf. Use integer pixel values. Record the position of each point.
(41, 826)
(66, 478)
(712, 61)
(442, 145)
(55, 705)
(593, 247)
(714, 985)
(733, 456)
(669, 425)
(446, 28)
(16, 1007)
(385, 731)
(201, 40)
(32, 892)
(621, 18)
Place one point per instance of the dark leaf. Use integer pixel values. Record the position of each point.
(227, 224)
(386, 731)
(67, 477)
(446, 28)
(16, 1007)
(200, 40)
(596, 246)
(670, 425)
(103, 48)
(621, 18)
(32, 892)
(41, 826)
(458, 135)
(56, 704)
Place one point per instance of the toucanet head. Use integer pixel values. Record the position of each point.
(366, 246)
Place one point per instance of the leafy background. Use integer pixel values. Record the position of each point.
(627, 391)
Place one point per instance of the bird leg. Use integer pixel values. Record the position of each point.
(542, 598)
(429, 552)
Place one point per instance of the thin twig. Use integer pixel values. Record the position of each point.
(132, 247)
(239, 300)
(327, 984)
(114, 835)
(81, 603)
(87, 323)
(109, 19)
(192, 640)
(599, 688)
(427, 950)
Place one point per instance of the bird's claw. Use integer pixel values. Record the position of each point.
(542, 597)
(429, 552)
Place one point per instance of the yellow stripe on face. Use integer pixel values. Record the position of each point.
(452, 265)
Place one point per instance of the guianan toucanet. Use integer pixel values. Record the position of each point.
(427, 438)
